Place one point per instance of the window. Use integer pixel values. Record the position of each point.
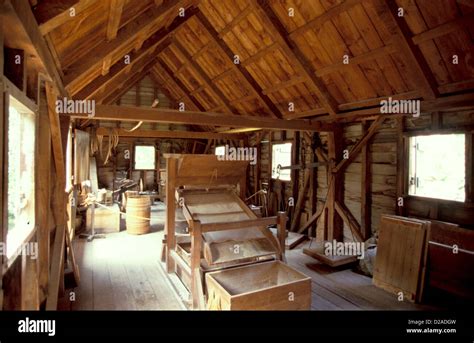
(281, 157)
(220, 150)
(21, 175)
(144, 157)
(437, 166)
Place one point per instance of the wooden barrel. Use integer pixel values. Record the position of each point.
(138, 214)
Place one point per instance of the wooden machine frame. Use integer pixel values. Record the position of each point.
(196, 228)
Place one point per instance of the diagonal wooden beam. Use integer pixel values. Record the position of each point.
(278, 32)
(153, 45)
(113, 93)
(80, 72)
(164, 88)
(176, 81)
(349, 219)
(28, 33)
(113, 96)
(202, 74)
(162, 115)
(360, 144)
(64, 16)
(328, 15)
(443, 29)
(157, 44)
(381, 52)
(160, 73)
(115, 13)
(252, 85)
(421, 72)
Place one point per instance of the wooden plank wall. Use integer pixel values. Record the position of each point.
(382, 156)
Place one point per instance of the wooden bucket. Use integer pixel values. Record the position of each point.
(138, 214)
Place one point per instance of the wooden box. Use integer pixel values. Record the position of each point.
(263, 286)
(106, 219)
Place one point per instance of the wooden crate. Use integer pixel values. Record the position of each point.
(264, 286)
(400, 264)
(106, 219)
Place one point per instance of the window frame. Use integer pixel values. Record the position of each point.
(468, 164)
(135, 155)
(10, 90)
(271, 158)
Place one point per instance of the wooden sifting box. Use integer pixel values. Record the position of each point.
(263, 286)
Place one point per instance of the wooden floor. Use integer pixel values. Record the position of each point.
(343, 289)
(123, 272)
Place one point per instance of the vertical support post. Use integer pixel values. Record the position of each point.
(196, 242)
(281, 233)
(29, 282)
(3, 114)
(171, 170)
(365, 186)
(402, 166)
(313, 184)
(43, 170)
(295, 174)
(335, 184)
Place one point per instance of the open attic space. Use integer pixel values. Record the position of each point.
(237, 154)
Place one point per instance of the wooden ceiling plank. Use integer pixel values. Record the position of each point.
(291, 82)
(241, 16)
(260, 54)
(278, 32)
(124, 41)
(202, 74)
(239, 68)
(444, 29)
(161, 115)
(356, 60)
(64, 16)
(421, 72)
(115, 13)
(224, 74)
(328, 15)
(178, 84)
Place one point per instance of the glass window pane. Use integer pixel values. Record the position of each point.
(437, 166)
(21, 175)
(144, 157)
(281, 156)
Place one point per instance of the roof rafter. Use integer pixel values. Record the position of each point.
(278, 32)
(162, 78)
(152, 46)
(179, 84)
(64, 16)
(115, 13)
(421, 72)
(79, 71)
(202, 74)
(248, 79)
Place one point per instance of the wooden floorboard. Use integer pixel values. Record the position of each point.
(122, 272)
